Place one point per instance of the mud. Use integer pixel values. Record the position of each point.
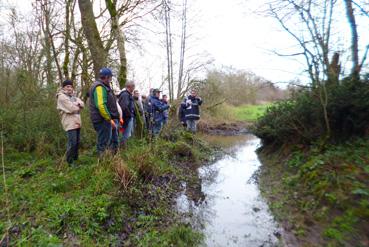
(224, 129)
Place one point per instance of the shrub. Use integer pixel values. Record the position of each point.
(301, 119)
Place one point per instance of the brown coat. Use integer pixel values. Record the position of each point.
(69, 108)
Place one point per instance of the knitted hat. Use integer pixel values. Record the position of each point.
(67, 82)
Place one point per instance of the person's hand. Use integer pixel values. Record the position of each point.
(113, 124)
(121, 121)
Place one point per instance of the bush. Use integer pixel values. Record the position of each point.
(301, 119)
(31, 123)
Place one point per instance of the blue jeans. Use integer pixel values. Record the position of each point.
(192, 125)
(114, 142)
(157, 127)
(128, 127)
(104, 131)
(72, 145)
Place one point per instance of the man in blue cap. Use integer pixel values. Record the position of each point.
(103, 109)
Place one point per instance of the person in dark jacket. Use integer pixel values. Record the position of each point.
(148, 111)
(192, 105)
(157, 108)
(103, 109)
(126, 102)
(166, 112)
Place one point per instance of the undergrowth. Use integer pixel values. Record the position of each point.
(325, 192)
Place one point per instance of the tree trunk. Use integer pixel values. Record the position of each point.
(183, 49)
(120, 38)
(98, 53)
(47, 41)
(354, 38)
(51, 51)
(67, 38)
(169, 50)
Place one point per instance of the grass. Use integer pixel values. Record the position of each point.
(320, 191)
(124, 200)
(249, 112)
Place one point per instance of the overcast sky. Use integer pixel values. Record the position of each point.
(232, 34)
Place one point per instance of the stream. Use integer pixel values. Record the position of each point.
(224, 201)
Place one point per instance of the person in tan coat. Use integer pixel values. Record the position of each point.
(69, 107)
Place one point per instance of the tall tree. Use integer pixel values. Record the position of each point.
(118, 34)
(355, 71)
(95, 44)
(183, 49)
(168, 40)
(50, 49)
(67, 37)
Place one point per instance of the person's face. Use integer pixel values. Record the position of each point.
(136, 94)
(68, 89)
(157, 94)
(165, 98)
(193, 93)
(131, 88)
(107, 79)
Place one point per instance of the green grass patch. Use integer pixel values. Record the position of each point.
(51, 204)
(250, 112)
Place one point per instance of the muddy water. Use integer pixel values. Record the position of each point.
(224, 200)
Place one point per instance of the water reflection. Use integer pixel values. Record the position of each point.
(225, 202)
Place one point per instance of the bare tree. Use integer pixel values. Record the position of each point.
(47, 15)
(314, 39)
(67, 37)
(169, 51)
(183, 49)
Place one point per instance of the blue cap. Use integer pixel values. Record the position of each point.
(105, 72)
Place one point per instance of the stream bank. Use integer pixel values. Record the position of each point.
(320, 197)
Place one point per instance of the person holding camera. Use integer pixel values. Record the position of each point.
(191, 105)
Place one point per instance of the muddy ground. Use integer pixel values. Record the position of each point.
(224, 129)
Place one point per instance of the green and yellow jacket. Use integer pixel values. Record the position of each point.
(103, 104)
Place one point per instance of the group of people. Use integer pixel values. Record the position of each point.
(115, 113)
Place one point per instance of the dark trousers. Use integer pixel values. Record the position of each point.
(104, 131)
(114, 142)
(72, 145)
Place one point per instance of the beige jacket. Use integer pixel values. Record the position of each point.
(69, 108)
